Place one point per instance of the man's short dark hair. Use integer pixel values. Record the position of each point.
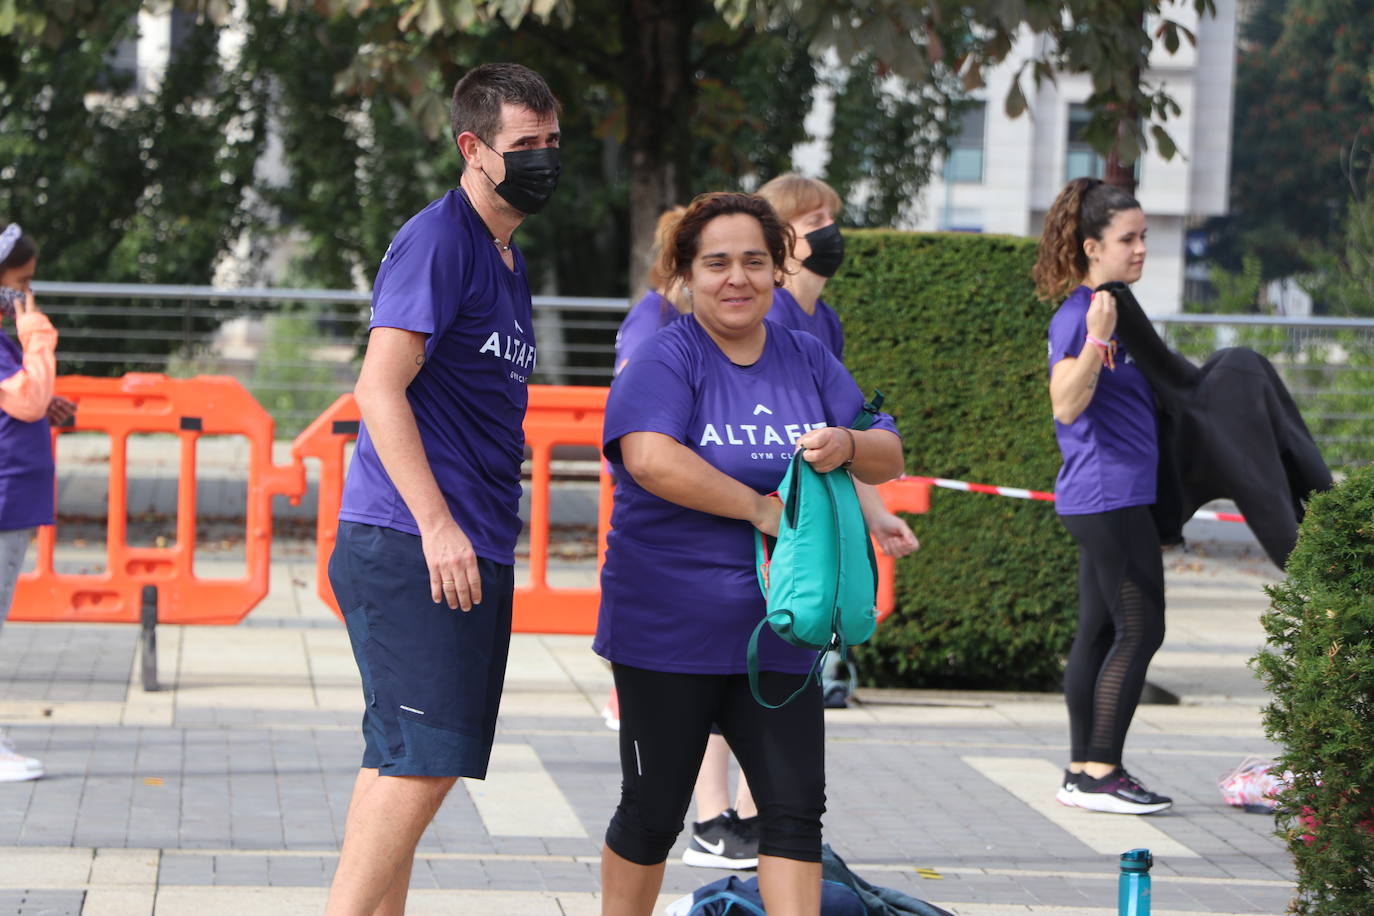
(479, 94)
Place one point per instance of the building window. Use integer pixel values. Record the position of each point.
(965, 161)
(1081, 160)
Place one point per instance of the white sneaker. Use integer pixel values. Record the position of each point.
(14, 766)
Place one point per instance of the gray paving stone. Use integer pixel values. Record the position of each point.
(267, 780)
(41, 902)
(179, 868)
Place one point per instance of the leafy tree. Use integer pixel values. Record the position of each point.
(113, 185)
(1302, 105)
(646, 51)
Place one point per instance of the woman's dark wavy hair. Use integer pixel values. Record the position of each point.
(676, 258)
(1082, 211)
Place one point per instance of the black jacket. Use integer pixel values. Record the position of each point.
(1228, 430)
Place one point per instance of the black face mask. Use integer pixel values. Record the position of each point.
(531, 176)
(827, 251)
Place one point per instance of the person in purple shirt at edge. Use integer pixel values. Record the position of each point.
(1104, 419)
(660, 306)
(424, 563)
(27, 408)
(733, 396)
(809, 206)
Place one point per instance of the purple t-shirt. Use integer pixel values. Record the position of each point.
(444, 278)
(679, 590)
(1111, 452)
(643, 321)
(26, 465)
(823, 324)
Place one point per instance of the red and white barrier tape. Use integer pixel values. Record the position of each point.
(1018, 493)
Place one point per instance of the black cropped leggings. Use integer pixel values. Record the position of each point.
(665, 719)
(1120, 627)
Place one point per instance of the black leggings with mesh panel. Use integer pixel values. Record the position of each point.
(1120, 626)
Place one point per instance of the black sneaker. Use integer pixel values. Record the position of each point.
(725, 841)
(1068, 790)
(1117, 793)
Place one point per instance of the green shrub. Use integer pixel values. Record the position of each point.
(949, 328)
(1319, 667)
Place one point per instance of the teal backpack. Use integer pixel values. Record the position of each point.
(821, 579)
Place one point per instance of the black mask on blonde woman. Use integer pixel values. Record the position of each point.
(827, 251)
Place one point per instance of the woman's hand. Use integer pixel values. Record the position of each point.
(894, 536)
(60, 410)
(1102, 315)
(827, 448)
(25, 305)
(767, 515)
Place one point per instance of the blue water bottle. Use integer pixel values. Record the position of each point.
(1134, 886)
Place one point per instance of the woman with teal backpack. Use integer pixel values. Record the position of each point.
(701, 426)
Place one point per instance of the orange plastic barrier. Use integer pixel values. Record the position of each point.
(213, 405)
(326, 440)
(557, 416)
(189, 409)
(909, 494)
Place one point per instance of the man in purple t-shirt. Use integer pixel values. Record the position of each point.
(424, 564)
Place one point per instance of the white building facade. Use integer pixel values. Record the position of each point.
(1003, 173)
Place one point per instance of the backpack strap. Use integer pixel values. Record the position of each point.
(731, 899)
(869, 412)
(753, 663)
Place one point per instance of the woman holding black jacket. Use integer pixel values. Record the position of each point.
(1105, 422)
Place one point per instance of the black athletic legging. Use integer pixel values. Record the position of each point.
(1120, 626)
(665, 719)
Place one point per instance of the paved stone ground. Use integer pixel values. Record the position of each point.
(226, 792)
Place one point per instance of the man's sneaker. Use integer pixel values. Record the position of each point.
(14, 766)
(1117, 793)
(1068, 790)
(725, 841)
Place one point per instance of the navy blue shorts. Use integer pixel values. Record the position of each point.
(432, 676)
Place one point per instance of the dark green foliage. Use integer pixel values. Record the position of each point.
(1319, 666)
(949, 328)
(1303, 106)
(121, 187)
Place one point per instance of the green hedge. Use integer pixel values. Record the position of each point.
(1319, 667)
(949, 328)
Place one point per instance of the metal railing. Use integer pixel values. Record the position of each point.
(295, 349)
(298, 349)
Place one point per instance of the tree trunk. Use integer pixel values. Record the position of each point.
(659, 92)
(1117, 174)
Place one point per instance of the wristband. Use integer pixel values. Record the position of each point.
(853, 447)
(1108, 351)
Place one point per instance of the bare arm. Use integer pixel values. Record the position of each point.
(670, 470)
(1073, 380)
(25, 395)
(393, 359)
(895, 537)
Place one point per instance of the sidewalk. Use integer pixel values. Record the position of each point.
(225, 792)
